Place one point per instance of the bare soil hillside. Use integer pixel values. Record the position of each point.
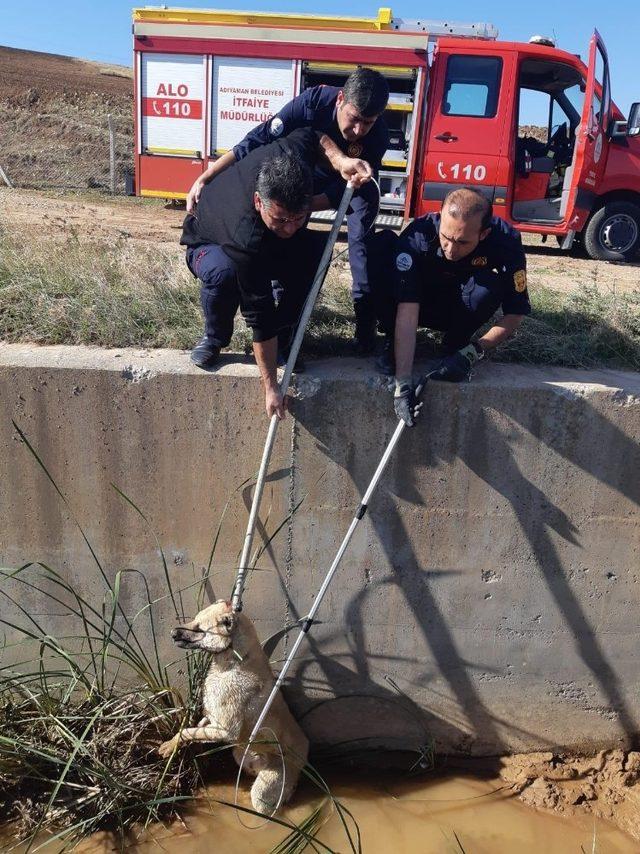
(52, 74)
(53, 119)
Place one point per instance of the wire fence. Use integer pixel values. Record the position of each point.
(65, 144)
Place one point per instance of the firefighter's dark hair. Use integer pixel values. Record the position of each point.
(287, 180)
(367, 90)
(465, 203)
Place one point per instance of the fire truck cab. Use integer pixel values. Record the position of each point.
(581, 177)
(459, 98)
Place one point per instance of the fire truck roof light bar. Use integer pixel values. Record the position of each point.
(445, 28)
(384, 22)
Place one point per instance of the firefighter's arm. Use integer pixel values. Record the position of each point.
(350, 168)
(258, 311)
(289, 118)
(266, 353)
(515, 304)
(501, 331)
(210, 172)
(405, 337)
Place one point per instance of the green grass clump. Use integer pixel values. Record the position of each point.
(73, 762)
(81, 716)
(112, 295)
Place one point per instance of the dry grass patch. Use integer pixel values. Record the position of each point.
(121, 293)
(113, 295)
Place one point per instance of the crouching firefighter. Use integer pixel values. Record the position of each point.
(354, 137)
(249, 246)
(451, 272)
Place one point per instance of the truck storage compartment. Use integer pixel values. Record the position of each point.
(403, 83)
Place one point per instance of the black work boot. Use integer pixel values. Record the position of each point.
(205, 354)
(365, 331)
(386, 361)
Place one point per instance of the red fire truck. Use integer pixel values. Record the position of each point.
(204, 78)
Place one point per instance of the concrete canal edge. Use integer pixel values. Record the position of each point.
(489, 600)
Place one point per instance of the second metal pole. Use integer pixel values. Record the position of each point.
(307, 622)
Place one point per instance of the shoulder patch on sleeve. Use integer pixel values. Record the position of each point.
(276, 127)
(404, 261)
(520, 280)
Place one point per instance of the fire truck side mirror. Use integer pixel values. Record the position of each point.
(633, 122)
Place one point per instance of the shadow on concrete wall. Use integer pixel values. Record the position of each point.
(415, 582)
(618, 474)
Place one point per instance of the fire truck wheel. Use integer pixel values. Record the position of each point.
(613, 232)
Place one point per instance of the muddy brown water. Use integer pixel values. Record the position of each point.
(434, 816)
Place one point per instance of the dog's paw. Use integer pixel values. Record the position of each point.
(267, 792)
(167, 747)
(264, 807)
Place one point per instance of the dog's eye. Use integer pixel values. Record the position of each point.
(226, 622)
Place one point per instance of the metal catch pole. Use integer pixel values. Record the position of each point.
(308, 620)
(323, 266)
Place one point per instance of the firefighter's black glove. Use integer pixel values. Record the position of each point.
(457, 367)
(404, 401)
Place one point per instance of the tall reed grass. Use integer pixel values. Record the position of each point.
(82, 713)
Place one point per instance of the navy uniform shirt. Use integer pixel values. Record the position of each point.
(316, 108)
(226, 216)
(468, 291)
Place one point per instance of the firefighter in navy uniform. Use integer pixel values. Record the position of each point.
(350, 120)
(249, 232)
(452, 271)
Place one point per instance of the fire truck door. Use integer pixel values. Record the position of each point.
(469, 120)
(590, 156)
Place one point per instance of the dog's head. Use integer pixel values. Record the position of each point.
(211, 630)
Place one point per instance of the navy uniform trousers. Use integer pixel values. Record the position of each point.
(286, 273)
(361, 214)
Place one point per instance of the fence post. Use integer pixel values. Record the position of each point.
(5, 178)
(112, 155)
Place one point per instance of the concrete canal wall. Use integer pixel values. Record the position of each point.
(489, 599)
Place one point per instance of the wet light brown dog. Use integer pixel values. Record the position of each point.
(236, 687)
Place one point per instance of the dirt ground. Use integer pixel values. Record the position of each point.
(88, 217)
(98, 218)
(606, 785)
(54, 120)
